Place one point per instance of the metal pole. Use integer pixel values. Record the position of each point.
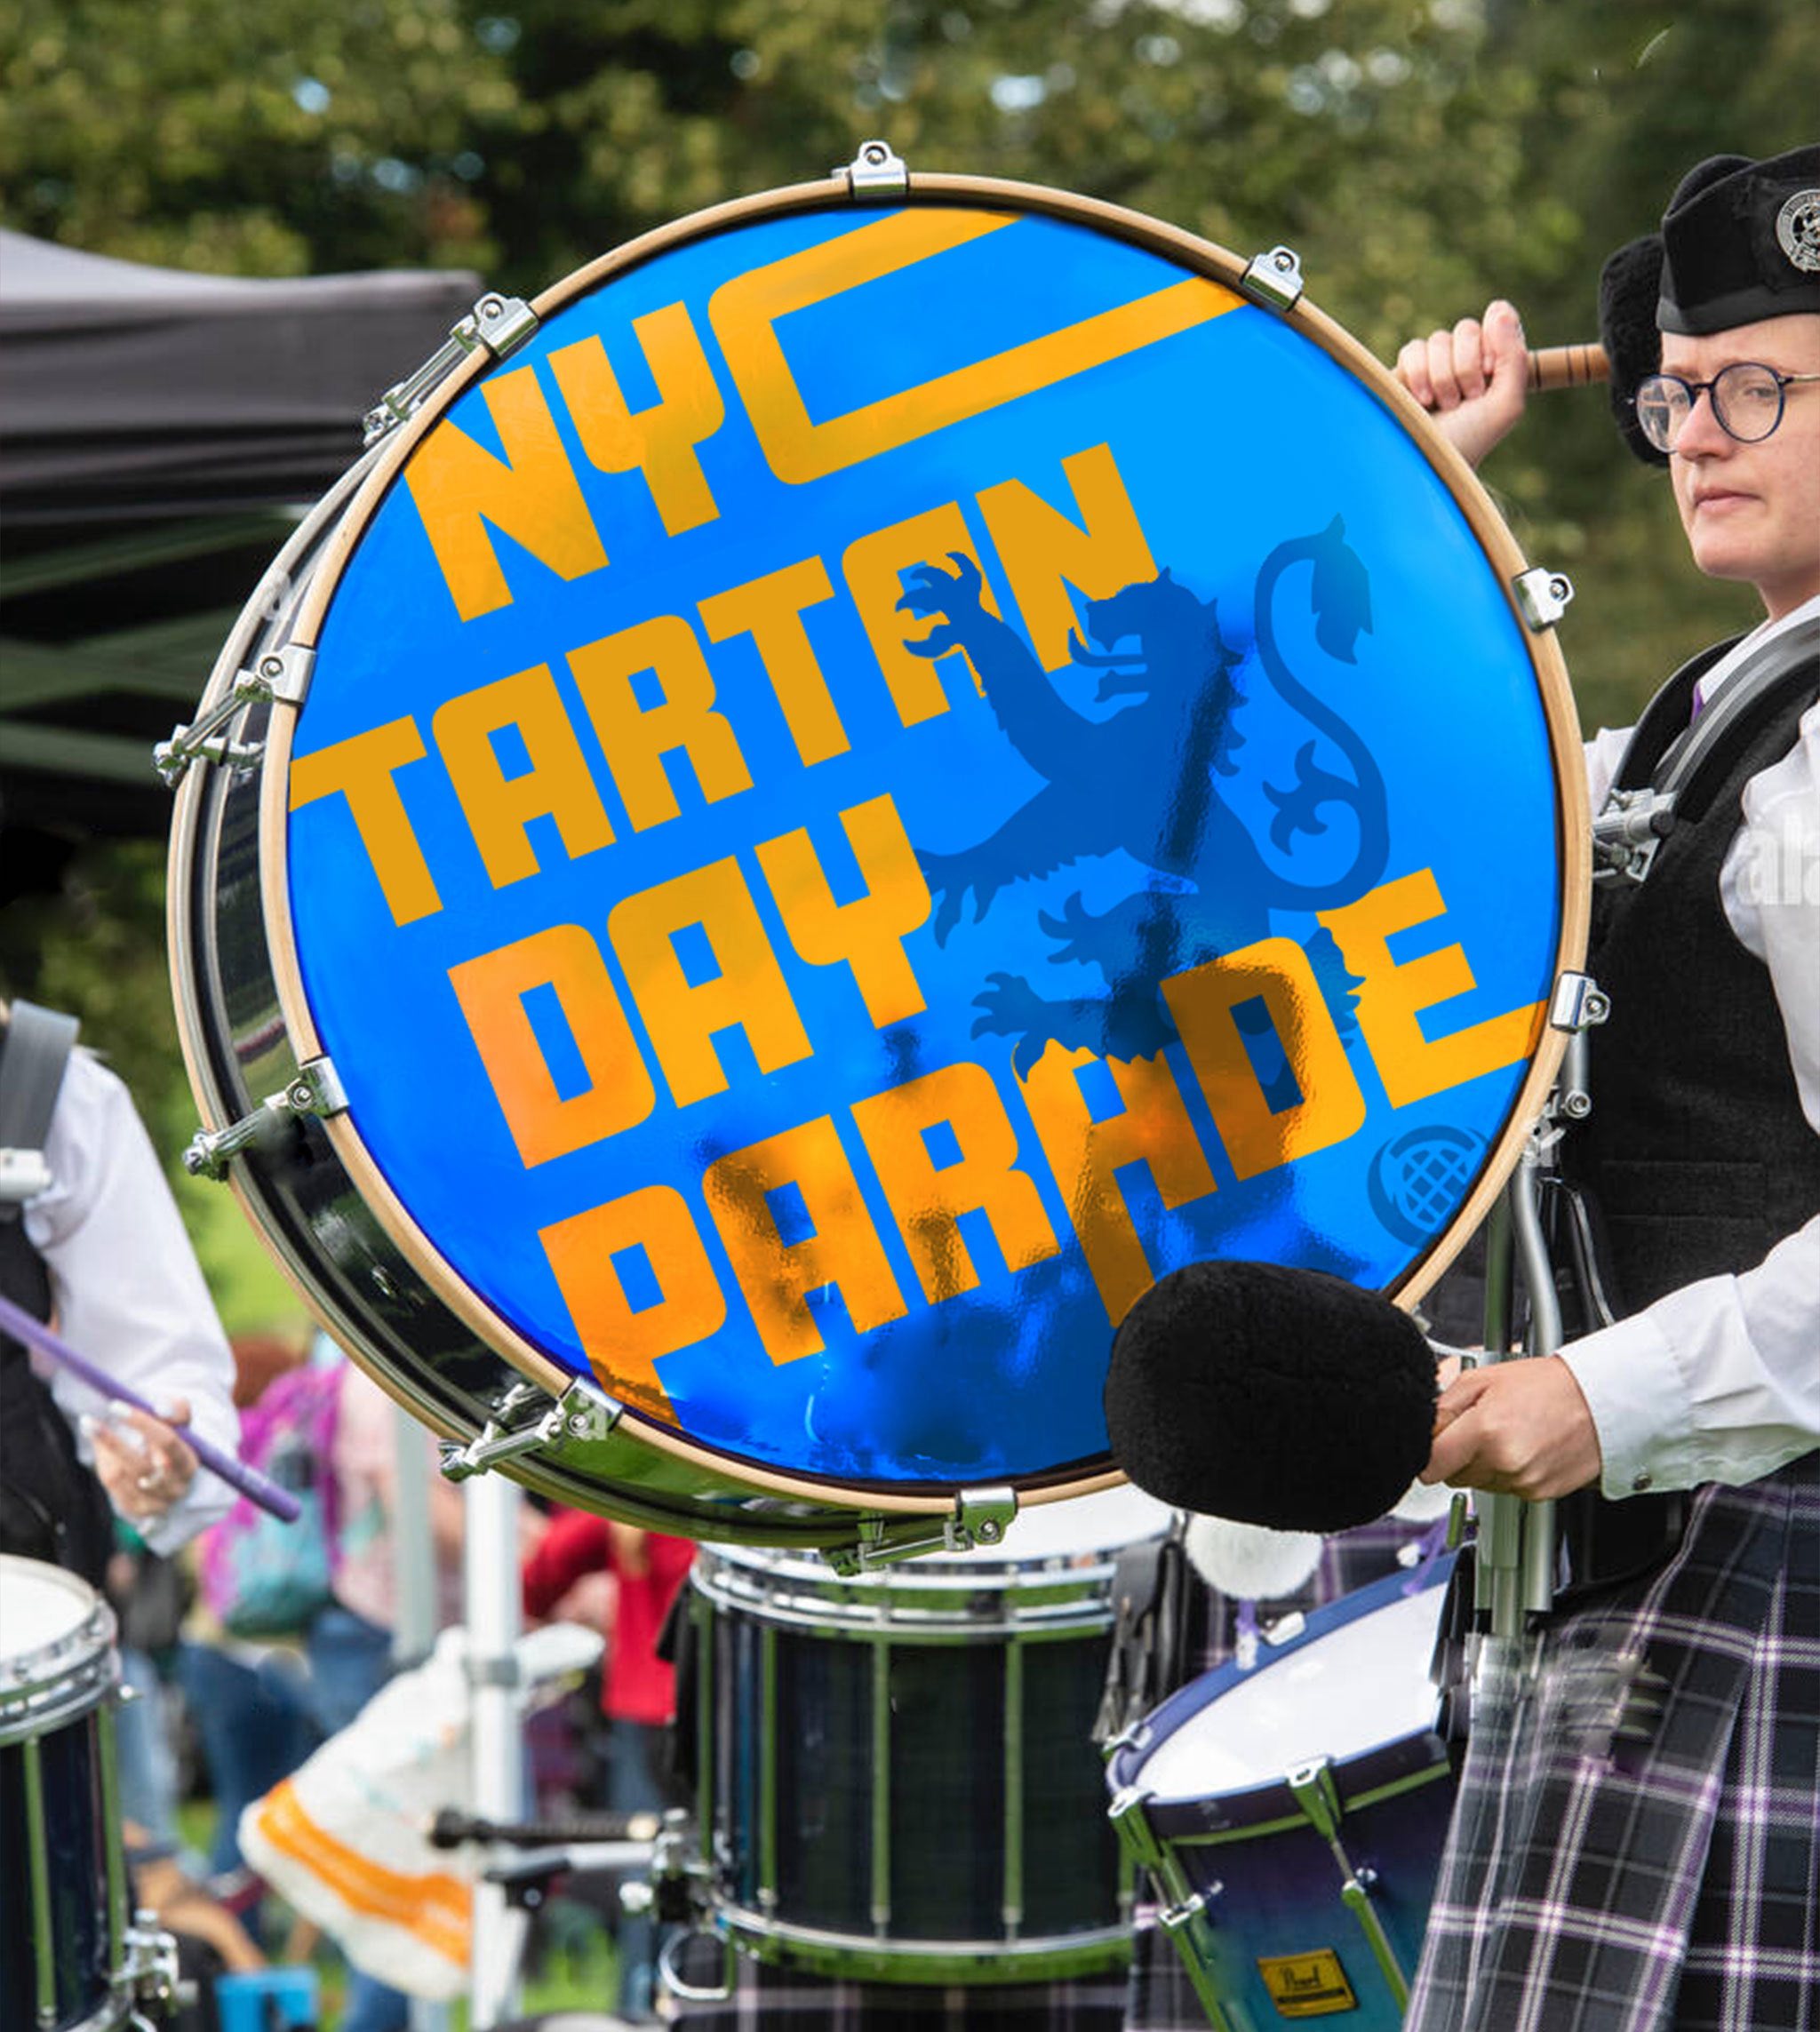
(1537, 1267)
(1498, 1561)
(419, 1596)
(490, 1589)
(413, 1545)
(1515, 1557)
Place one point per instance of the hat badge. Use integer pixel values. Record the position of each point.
(1798, 230)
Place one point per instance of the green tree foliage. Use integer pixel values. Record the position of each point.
(1420, 158)
(285, 139)
(1341, 130)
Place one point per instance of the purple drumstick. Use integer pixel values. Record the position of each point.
(251, 1484)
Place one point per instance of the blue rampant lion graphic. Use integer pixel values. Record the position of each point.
(1167, 754)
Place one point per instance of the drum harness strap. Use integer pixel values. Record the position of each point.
(1635, 821)
(36, 1048)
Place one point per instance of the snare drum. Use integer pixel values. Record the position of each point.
(1293, 1815)
(870, 773)
(899, 1779)
(63, 1888)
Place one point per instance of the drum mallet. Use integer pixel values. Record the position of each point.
(251, 1484)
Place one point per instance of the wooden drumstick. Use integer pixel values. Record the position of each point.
(1567, 367)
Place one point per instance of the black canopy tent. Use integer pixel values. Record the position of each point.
(158, 433)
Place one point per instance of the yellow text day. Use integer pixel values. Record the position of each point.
(992, 1174)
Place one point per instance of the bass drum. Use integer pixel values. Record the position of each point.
(879, 769)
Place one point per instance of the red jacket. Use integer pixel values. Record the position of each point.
(636, 1685)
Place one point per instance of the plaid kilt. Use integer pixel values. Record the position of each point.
(1636, 1842)
(776, 1998)
(1160, 1996)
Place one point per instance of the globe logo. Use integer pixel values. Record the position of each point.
(1418, 1179)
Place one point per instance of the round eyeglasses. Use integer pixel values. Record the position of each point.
(1747, 401)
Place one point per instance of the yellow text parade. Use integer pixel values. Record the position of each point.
(884, 1135)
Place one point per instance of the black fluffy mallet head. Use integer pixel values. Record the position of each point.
(1270, 1396)
(1629, 285)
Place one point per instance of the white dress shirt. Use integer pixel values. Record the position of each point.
(126, 1289)
(1719, 1382)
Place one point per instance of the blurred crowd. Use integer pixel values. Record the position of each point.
(237, 1685)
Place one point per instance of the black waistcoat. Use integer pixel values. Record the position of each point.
(1695, 1152)
(24, 1279)
(51, 1508)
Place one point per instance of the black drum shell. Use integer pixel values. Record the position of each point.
(900, 1782)
(57, 1792)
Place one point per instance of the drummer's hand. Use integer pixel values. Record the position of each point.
(1515, 1428)
(143, 1464)
(1472, 380)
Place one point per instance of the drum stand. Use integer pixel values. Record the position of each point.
(490, 1588)
(1514, 1559)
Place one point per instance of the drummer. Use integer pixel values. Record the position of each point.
(95, 1242)
(1635, 1845)
(99, 1245)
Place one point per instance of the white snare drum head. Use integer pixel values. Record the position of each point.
(1349, 1691)
(40, 1605)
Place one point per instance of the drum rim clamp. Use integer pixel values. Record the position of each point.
(877, 171)
(498, 322)
(1315, 1790)
(316, 1090)
(526, 1419)
(281, 677)
(980, 1517)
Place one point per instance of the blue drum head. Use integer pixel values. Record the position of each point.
(891, 774)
